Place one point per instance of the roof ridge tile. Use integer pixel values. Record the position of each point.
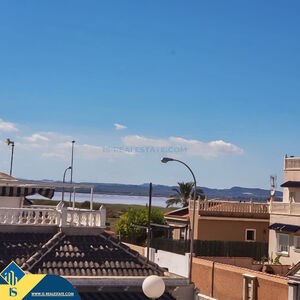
(39, 254)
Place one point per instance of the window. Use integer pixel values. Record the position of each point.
(182, 233)
(297, 243)
(250, 235)
(283, 243)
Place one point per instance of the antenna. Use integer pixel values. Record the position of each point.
(273, 183)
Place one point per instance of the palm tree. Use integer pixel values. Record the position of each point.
(183, 194)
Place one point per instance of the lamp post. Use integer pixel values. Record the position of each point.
(165, 160)
(64, 179)
(71, 180)
(9, 142)
(149, 220)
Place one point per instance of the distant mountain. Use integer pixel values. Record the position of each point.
(234, 193)
(240, 193)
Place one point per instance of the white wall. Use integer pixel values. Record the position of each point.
(176, 263)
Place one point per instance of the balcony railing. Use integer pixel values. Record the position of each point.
(285, 208)
(61, 217)
(234, 209)
(84, 218)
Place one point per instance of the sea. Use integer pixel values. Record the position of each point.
(110, 199)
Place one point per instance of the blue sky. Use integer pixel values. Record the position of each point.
(218, 78)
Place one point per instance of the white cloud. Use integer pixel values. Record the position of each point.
(28, 146)
(55, 136)
(207, 150)
(84, 151)
(7, 126)
(52, 155)
(119, 126)
(193, 147)
(55, 145)
(36, 137)
(141, 141)
(45, 141)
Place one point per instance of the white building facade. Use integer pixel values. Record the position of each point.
(284, 235)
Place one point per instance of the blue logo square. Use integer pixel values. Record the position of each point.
(12, 273)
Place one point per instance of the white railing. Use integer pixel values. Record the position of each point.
(230, 207)
(85, 218)
(42, 206)
(285, 208)
(28, 216)
(54, 216)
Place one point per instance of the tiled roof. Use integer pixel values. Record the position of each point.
(182, 213)
(120, 296)
(19, 247)
(89, 255)
(178, 212)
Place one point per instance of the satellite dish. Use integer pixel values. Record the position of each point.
(272, 193)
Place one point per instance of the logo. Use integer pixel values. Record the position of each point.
(12, 273)
(18, 285)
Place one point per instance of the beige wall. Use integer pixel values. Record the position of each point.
(231, 230)
(176, 234)
(11, 202)
(291, 175)
(226, 229)
(226, 282)
(139, 249)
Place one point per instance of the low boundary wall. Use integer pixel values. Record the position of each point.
(222, 281)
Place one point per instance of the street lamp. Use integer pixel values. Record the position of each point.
(153, 286)
(9, 142)
(165, 160)
(71, 180)
(64, 179)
